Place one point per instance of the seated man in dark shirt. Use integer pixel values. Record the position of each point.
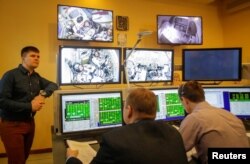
(142, 140)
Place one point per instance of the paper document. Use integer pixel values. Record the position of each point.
(86, 152)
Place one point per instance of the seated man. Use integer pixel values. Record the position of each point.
(142, 140)
(207, 126)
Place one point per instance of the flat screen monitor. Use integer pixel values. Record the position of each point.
(234, 99)
(213, 64)
(149, 65)
(173, 29)
(169, 107)
(89, 65)
(84, 24)
(85, 112)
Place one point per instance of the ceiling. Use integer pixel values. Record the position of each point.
(229, 6)
(203, 2)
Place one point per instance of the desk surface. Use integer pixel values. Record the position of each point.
(59, 146)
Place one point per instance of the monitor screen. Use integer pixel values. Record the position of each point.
(89, 65)
(90, 111)
(234, 99)
(86, 24)
(149, 65)
(169, 106)
(214, 64)
(172, 29)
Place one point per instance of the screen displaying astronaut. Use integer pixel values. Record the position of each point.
(89, 65)
(76, 23)
(179, 29)
(149, 65)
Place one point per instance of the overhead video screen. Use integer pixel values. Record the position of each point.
(84, 24)
(89, 65)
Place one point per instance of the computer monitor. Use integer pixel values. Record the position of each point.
(89, 65)
(179, 30)
(149, 65)
(212, 64)
(75, 23)
(89, 112)
(169, 107)
(234, 99)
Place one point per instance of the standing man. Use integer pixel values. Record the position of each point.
(142, 140)
(207, 126)
(22, 94)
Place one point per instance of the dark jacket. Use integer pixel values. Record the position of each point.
(144, 142)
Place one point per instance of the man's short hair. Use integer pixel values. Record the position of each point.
(192, 90)
(142, 100)
(27, 49)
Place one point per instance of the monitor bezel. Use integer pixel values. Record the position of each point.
(211, 49)
(91, 132)
(91, 40)
(148, 49)
(188, 16)
(59, 69)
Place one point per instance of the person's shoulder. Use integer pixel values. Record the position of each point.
(11, 72)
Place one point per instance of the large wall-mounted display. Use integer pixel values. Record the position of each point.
(89, 65)
(86, 24)
(173, 29)
(149, 65)
(213, 64)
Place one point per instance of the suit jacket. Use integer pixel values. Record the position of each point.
(144, 142)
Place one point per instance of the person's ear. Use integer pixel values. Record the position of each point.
(130, 111)
(185, 101)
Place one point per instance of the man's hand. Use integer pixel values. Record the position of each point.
(72, 153)
(37, 103)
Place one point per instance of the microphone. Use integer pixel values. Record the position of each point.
(144, 33)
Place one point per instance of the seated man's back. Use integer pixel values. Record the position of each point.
(146, 141)
(206, 126)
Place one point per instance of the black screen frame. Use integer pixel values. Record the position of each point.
(184, 64)
(189, 30)
(91, 39)
(60, 72)
(147, 49)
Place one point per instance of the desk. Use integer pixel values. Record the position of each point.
(59, 145)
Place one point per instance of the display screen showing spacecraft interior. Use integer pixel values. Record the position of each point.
(173, 29)
(86, 24)
(89, 65)
(149, 65)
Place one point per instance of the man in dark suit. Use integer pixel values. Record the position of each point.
(143, 140)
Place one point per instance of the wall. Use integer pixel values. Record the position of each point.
(33, 22)
(236, 27)
(234, 18)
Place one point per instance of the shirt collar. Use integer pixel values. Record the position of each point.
(24, 70)
(201, 105)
